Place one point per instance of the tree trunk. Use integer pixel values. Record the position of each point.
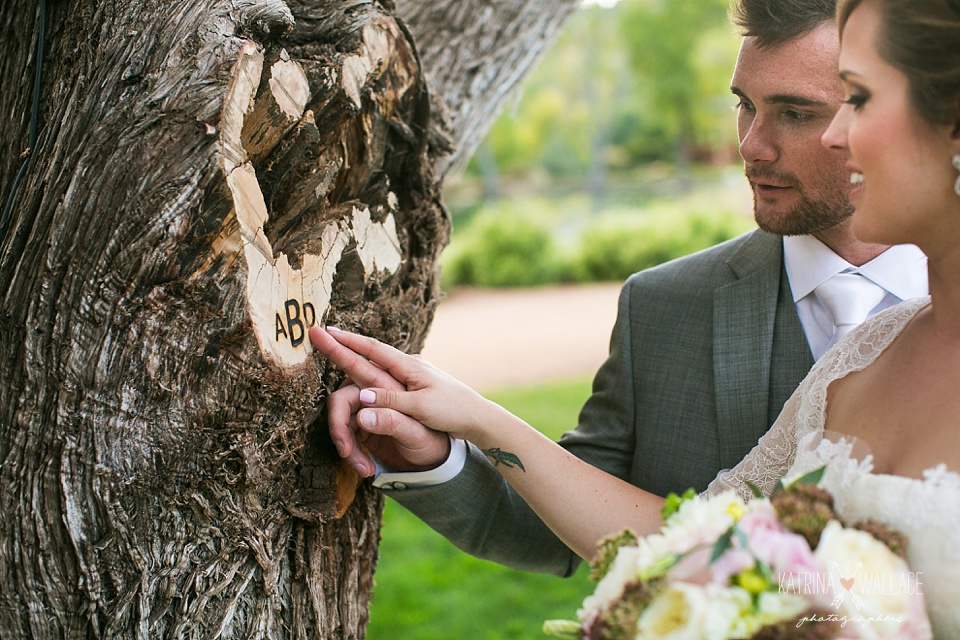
(209, 180)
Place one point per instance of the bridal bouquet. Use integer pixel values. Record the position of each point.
(764, 569)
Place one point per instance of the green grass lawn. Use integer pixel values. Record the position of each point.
(427, 589)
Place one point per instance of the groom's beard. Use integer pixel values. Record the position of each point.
(809, 214)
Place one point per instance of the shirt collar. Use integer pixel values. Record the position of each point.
(901, 269)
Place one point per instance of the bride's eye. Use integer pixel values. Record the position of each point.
(857, 100)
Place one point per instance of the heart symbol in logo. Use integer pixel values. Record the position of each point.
(847, 583)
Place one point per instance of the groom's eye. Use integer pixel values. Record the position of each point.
(797, 116)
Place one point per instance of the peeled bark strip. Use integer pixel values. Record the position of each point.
(210, 180)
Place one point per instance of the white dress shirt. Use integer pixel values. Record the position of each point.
(901, 271)
(389, 479)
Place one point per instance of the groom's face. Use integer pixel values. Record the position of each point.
(788, 95)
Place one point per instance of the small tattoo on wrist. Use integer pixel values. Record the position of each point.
(508, 459)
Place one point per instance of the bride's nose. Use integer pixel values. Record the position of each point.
(835, 137)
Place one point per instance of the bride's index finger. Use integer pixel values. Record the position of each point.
(358, 368)
(396, 362)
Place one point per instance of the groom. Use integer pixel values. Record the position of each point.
(707, 348)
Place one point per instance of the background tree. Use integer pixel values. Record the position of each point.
(604, 105)
(663, 38)
(207, 181)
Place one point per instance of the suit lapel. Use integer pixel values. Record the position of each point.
(791, 359)
(744, 317)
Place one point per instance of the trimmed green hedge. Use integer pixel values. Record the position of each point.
(615, 250)
(504, 248)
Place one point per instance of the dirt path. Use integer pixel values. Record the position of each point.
(499, 338)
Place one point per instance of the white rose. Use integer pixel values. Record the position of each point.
(702, 520)
(693, 612)
(869, 583)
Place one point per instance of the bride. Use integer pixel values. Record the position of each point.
(891, 384)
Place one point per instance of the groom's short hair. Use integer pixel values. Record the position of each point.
(774, 22)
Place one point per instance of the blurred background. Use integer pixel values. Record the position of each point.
(619, 152)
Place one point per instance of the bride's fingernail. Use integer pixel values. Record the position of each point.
(332, 329)
(367, 419)
(341, 447)
(367, 396)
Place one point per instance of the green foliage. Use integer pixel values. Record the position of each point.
(535, 241)
(673, 501)
(681, 48)
(617, 249)
(427, 589)
(503, 249)
(623, 85)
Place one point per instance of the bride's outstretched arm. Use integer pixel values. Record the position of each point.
(581, 503)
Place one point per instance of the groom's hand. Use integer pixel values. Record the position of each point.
(402, 445)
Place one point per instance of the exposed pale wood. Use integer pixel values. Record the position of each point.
(278, 109)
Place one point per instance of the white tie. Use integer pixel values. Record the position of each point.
(849, 298)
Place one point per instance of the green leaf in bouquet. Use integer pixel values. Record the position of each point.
(741, 537)
(722, 545)
(812, 477)
(659, 567)
(564, 629)
(673, 501)
(754, 489)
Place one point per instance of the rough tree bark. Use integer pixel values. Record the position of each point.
(210, 179)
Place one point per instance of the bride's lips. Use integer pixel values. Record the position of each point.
(856, 182)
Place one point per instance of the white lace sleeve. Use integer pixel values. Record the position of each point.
(770, 458)
(805, 412)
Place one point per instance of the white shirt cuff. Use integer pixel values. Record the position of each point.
(399, 480)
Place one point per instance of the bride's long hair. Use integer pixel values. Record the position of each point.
(921, 38)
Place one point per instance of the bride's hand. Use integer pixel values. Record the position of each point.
(407, 446)
(403, 445)
(432, 398)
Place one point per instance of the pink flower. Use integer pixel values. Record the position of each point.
(772, 543)
(730, 564)
(785, 552)
(694, 567)
(761, 517)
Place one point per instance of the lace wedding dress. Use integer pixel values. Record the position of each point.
(927, 511)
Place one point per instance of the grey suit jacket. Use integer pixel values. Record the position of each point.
(705, 352)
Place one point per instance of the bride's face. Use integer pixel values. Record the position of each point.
(899, 163)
